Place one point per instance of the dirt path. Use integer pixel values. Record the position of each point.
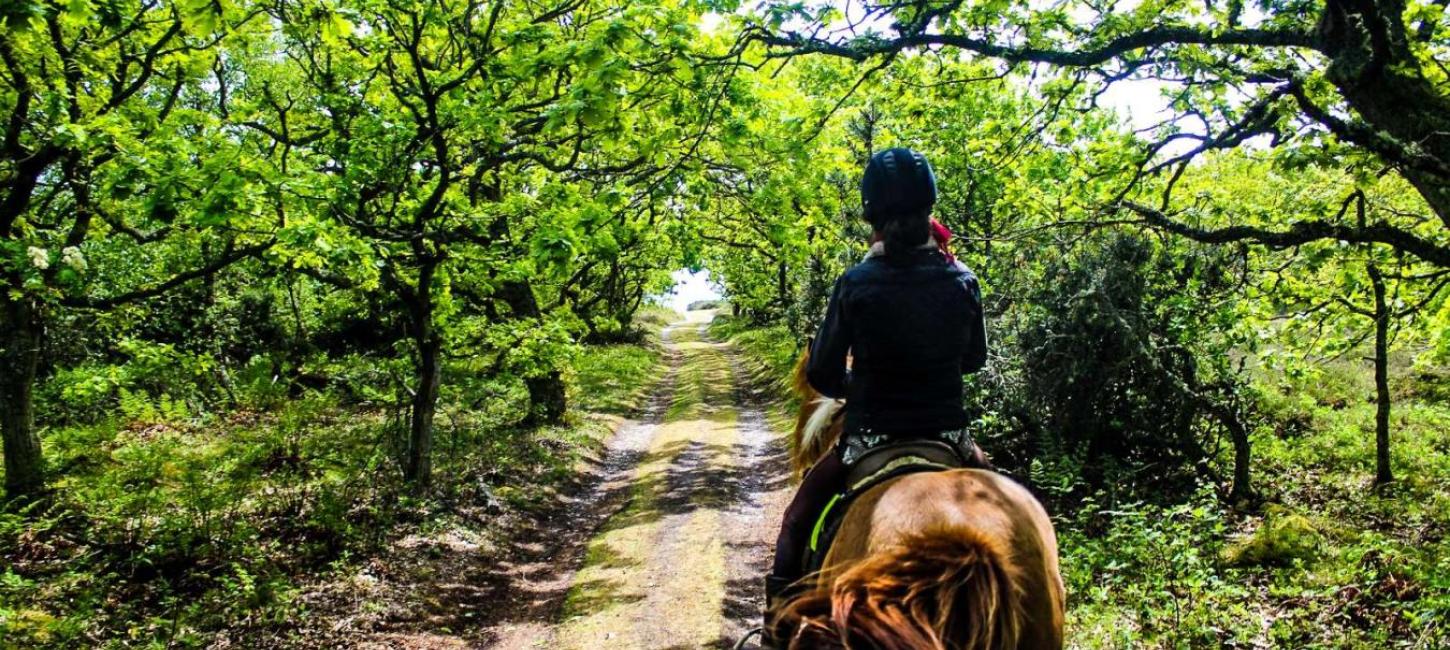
(668, 548)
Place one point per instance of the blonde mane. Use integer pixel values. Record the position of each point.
(818, 425)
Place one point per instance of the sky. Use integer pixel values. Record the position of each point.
(690, 287)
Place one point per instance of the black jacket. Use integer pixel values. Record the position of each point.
(914, 326)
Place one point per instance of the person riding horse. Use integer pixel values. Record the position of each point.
(910, 318)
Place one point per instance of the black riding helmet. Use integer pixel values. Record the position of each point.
(897, 183)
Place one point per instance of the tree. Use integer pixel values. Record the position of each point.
(1343, 82)
(1125, 362)
(113, 188)
(464, 147)
(1373, 292)
(1326, 299)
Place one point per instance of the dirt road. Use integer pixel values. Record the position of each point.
(667, 547)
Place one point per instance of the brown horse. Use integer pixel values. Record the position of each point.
(961, 559)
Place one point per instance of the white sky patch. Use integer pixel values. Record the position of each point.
(709, 22)
(1141, 100)
(689, 287)
(1145, 104)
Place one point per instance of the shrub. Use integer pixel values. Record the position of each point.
(1119, 361)
(155, 381)
(704, 304)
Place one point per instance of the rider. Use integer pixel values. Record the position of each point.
(911, 318)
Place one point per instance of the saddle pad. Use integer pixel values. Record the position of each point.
(829, 521)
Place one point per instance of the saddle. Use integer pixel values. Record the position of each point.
(877, 466)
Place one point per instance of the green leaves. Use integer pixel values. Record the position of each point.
(21, 15)
(335, 27)
(200, 17)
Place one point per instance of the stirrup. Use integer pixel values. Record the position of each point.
(760, 632)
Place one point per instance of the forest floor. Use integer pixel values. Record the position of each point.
(662, 543)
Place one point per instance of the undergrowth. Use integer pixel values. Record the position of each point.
(164, 526)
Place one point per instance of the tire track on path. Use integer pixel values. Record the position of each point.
(754, 520)
(678, 562)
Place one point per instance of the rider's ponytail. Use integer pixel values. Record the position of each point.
(904, 233)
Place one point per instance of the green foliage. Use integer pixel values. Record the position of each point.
(601, 372)
(1326, 565)
(772, 350)
(1116, 359)
(236, 239)
(200, 526)
(1144, 574)
(654, 317)
(157, 382)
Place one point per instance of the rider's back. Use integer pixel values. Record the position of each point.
(913, 323)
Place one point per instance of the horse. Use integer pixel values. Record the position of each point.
(961, 559)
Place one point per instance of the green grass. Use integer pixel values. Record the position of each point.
(652, 317)
(614, 378)
(769, 356)
(771, 351)
(1327, 562)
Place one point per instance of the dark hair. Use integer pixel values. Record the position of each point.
(902, 233)
(898, 189)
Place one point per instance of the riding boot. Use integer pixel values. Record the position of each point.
(778, 590)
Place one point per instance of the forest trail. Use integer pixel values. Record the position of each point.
(668, 548)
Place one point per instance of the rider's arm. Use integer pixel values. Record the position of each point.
(976, 357)
(827, 367)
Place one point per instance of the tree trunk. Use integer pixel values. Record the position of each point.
(1374, 67)
(419, 470)
(547, 402)
(20, 336)
(1243, 488)
(1382, 474)
(418, 465)
(782, 287)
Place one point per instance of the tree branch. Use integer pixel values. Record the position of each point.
(1301, 232)
(860, 49)
(228, 257)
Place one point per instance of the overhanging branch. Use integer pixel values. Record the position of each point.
(227, 258)
(864, 48)
(1300, 232)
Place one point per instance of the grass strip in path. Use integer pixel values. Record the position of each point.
(655, 575)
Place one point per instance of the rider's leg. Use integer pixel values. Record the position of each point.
(820, 484)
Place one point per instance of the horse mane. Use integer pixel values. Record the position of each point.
(818, 425)
(798, 381)
(945, 588)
